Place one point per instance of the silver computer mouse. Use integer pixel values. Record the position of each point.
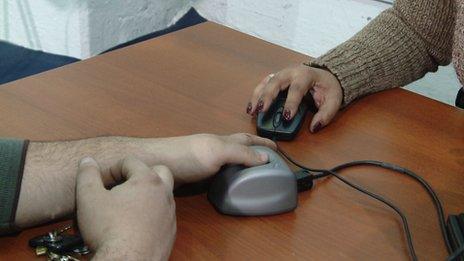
(254, 191)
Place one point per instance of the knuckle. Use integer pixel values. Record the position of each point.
(250, 153)
(161, 169)
(291, 104)
(299, 88)
(125, 163)
(150, 180)
(279, 77)
(268, 92)
(266, 79)
(248, 138)
(245, 138)
(256, 91)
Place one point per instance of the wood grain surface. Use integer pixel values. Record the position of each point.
(199, 80)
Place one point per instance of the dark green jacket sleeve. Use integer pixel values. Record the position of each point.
(12, 157)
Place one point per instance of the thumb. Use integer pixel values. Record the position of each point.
(324, 115)
(166, 176)
(88, 182)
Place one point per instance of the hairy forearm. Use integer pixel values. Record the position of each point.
(48, 186)
(131, 249)
(109, 251)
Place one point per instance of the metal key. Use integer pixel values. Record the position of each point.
(68, 258)
(57, 257)
(51, 237)
(55, 235)
(40, 251)
(53, 256)
(82, 250)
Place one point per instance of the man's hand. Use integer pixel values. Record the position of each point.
(300, 79)
(49, 179)
(134, 220)
(194, 158)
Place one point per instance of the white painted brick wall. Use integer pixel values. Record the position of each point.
(307, 26)
(84, 28)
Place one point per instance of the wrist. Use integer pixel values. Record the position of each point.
(171, 152)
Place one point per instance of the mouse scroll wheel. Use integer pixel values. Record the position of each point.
(277, 120)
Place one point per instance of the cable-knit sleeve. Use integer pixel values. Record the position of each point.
(398, 47)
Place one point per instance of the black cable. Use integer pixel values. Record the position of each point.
(423, 182)
(320, 173)
(388, 203)
(323, 173)
(455, 255)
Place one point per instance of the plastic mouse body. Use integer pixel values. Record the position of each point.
(271, 125)
(254, 191)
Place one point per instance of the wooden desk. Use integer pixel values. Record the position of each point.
(200, 80)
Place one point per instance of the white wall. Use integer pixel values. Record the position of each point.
(43, 25)
(307, 26)
(83, 28)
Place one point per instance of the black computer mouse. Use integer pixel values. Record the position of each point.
(254, 191)
(270, 124)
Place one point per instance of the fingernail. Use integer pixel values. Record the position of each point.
(263, 157)
(286, 114)
(317, 128)
(248, 110)
(88, 161)
(260, 105)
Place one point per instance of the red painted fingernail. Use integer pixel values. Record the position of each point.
(260, 106)
(317, 128)
(287, 114)
(248, 110)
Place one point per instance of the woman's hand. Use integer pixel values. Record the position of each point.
(135, 220)
(323, 86)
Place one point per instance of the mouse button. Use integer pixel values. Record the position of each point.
(273, 109)
(299, 116)
(264, 117)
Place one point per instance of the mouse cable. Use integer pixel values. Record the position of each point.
(455, 255)
(323, 173)
(320, 173)
(439, 207)
(362, 190)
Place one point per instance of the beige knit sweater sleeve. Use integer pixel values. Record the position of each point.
(396, 48)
